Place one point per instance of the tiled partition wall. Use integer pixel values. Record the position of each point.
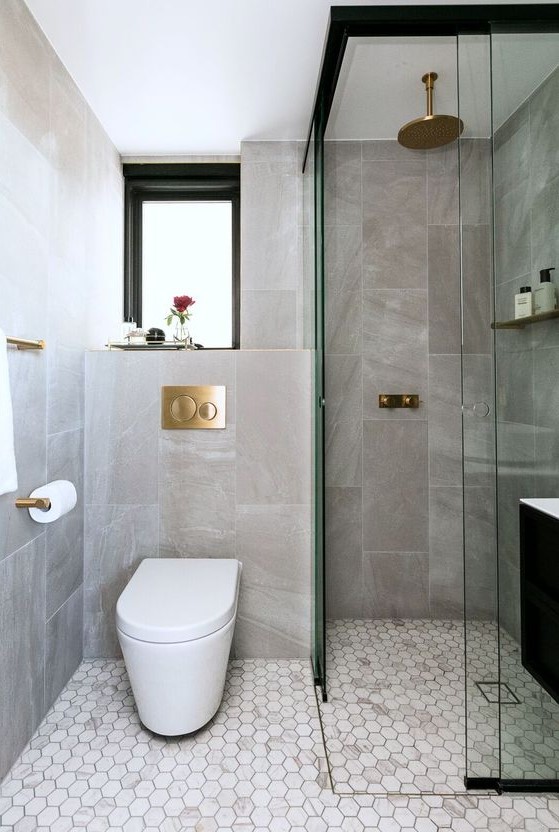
(526, 240)
(275, 308)
(60, 247)
(240, 492)
(394, 477)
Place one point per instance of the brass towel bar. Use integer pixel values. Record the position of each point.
(25, 344)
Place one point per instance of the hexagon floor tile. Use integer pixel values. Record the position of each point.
(395, 716)
(259, 765)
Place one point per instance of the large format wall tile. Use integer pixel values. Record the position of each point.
(197, 493)
(445, 420)
(122, 424)
(268, 319)
(269, 242)
(544, 124)
(476, 289)
(344, 552)
(117, 539)
(394, 238)
(343, 422)
(446, 558)
(394, 349)
(273, 544)
(480, 562)
(28, 385)
(64, 645)
(395, 487)
(22, 648)
(273, 427)
(442, 185)
(444, 289)
(342, 183)
(396, 584)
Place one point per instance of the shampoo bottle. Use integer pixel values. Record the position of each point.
(523, 303)
(544, 296)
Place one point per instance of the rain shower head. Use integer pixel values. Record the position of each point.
(430, 131)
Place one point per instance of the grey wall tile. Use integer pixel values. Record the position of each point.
(444, 289)
(478, 429)
(395, 358)
(545, 222)
(268, 319)
(197, 493)
(65, 539)
(445, 420)
(122, 429)
(343, 422)
(343, 289)
(389, 150)
(117, 539)
(25, 64)
(394, 232)
(344, 322)
(480, 561)
(544, 123)
(512, 233)
(22, 648)
(28, 386)
(446, 555)
(475, 181)
(269, 244)
(442, 185)
(396, 584)
(64, 648)
(516, 470)
(273, 428)
(476, 289)
(344, 553)
(274, 608)
(511, 162)
(395, 487)
(342, 183)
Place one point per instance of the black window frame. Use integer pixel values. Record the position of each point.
(194, 182)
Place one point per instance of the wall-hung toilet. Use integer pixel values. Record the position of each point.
(175, 622)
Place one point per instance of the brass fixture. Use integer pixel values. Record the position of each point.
(430, 131)
(193, 407)
(25, 344)
(392, 400)
(33, 502)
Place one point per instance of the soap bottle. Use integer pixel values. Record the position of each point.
(523, 303)
(545, 298)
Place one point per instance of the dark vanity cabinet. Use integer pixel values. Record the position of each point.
(539, 596)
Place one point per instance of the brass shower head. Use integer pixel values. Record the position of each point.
(430, 131)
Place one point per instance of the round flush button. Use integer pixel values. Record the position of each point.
(207, 411)
(183, 408)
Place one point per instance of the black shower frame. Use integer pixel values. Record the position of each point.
(418, 21)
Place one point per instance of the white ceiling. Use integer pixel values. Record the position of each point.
(170, 77)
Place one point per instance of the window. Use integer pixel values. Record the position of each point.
(182, 238)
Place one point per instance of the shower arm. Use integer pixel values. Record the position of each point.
(429, 80)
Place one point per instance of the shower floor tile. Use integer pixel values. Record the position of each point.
(394, 720)
(260, 765)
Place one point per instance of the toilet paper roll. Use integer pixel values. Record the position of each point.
(63, 497)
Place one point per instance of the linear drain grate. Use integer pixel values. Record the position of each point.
(490, 690)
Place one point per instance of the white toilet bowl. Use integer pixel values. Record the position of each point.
(175, 622)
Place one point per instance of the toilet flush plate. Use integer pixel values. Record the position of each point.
(200, 407)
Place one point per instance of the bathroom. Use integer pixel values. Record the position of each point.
(380, 410)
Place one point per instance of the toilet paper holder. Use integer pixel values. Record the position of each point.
(33, 502)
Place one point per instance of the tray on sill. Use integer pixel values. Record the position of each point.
(156, 345)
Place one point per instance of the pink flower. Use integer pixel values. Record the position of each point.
(182, 302)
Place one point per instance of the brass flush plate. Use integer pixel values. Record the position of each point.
(193, 408)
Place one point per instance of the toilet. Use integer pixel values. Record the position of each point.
(175, 621)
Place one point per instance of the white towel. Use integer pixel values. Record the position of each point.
(8, 473)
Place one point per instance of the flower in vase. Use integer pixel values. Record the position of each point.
(180, 309)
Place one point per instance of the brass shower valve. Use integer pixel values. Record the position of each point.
(394, 400)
